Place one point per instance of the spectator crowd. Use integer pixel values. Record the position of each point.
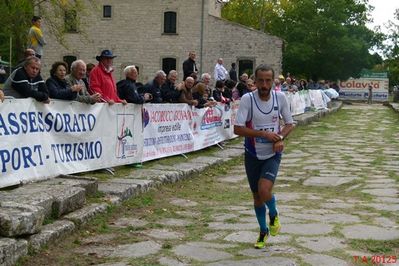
(89, 83)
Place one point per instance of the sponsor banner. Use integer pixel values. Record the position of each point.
(362, 84)
(38, 141)
(369, 74)
(212, 125)
(167, 130)
(363, 95)
(357, 89)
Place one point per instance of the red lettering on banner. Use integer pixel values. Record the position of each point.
(359, 85)
(182, 115)
(161, 116)
(211, 117)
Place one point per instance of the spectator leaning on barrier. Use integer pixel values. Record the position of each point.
(1, 96)
(57, 84)
(189, 65)
(170, 94)
(128, 90)
(285, 86)
(258, 121)
(186, 95)
(313, 85)
(242, 85)
(335, 86)
(154, 86)
(303, 85)
(200, 94)
(228, 89)
(220, 73)
(27, 82)
(102, 81)
(277, 85)
(206, 80)
(75, 81)
(28, 53)
(35, 37)
(250, 86)
(218, 92)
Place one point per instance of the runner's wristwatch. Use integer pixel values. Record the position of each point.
(281, 137)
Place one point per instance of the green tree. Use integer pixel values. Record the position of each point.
(392, 51)
(322, 38)
(17, 15)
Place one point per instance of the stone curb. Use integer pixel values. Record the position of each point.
(394, 106)
(118, 190)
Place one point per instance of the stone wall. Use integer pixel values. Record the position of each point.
(135, 35)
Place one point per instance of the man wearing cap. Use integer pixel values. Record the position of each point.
(102, 81)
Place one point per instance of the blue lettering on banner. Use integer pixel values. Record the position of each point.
(25, 157)
(32, 122)
(71, 152)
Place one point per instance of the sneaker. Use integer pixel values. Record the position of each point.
(261, 242)
(275, 227)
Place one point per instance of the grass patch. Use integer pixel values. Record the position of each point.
(386, 247)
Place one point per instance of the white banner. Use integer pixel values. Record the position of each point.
(357, 89)
(212, 125)
(317, 99)
(38, 141)
(167, 130)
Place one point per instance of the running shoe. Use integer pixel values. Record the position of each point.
(261, 241)
(275, 226)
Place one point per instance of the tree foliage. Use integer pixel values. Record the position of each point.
(17, 15)
(322, 38)
(392, 50)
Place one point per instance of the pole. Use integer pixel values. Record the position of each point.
(202, 35)
(9, 66)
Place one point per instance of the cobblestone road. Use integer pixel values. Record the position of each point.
(337, 196)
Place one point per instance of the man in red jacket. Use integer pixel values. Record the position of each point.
(102, 81)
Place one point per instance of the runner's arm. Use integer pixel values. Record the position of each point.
(249, 132)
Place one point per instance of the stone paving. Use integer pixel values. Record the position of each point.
(337, 190)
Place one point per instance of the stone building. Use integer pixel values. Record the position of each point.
(158, 34)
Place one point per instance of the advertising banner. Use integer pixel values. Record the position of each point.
(212, 125)
(357, 89)
(167, 130)
(38, 141)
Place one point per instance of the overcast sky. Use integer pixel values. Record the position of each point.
(384, 11)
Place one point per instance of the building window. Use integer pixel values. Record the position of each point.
(71, 21)
(69, 59)
(169, 22)
(107, 11)
(168, 64)
(245, 66)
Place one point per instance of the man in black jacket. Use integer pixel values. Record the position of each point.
(154, 86)
(128, 89)
(189, 66)
(170, 94)
(27, 82)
